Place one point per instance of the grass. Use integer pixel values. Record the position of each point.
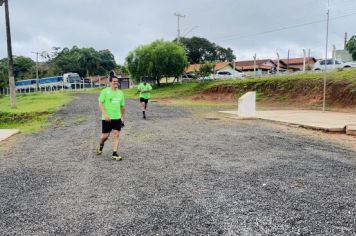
(282, 83)
(32, 111)
(35, 102)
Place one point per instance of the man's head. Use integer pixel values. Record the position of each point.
(114, 82)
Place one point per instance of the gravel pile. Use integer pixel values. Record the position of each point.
(181, 175)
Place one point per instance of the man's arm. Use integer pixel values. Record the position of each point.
(122, 114)
(102, 110)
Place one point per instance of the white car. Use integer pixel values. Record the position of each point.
(228, 74)
(330, 64)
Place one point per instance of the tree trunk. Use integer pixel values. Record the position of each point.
(158, 81)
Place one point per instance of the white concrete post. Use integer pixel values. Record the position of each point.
(247, 105)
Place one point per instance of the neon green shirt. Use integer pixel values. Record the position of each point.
(141, 87)
(112, 101)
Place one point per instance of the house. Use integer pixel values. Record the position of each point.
(267, 66)
(191, 69)
(296, 64)
(104, 80)
(261, 67)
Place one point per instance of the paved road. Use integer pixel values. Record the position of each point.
(181, 174)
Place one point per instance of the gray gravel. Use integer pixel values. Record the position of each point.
(181, 175)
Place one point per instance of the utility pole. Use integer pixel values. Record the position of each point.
(9, 55)
(345, 40)
(304, 55)
(334, 54)
(254, 64)
(37, 88)
(326, 52)
(288, 62)
(178, 15)
(277, 63)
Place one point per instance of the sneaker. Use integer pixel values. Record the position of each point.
(144, 117)
(98, 151)
(116, 158)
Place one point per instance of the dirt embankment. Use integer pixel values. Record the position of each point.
(302, 93)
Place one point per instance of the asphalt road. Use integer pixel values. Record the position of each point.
(181, 175)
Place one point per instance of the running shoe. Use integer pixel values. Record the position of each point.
(116, 157)
(99, 151)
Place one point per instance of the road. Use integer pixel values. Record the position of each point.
(181, 175)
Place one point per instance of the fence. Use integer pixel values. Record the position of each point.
(71, 87)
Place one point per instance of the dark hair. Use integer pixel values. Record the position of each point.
(111, 77)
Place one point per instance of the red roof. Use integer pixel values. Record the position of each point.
(265, 64)
(298, 61)
(195, 67)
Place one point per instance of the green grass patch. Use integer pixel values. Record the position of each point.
(278, 87)
(29, 126)
(36, 102)
(172, 90)
(32, 110)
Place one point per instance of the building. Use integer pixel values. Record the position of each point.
(193, 68)
(261, 67)
(297, 64)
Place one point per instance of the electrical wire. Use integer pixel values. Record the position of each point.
(232, 37)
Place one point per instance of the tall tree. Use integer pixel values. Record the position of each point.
(351, 46)
(157, 60)
(200, 50)
(23, 69)
(85, 61)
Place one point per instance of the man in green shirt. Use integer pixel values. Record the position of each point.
(144, 88)
(112, 108)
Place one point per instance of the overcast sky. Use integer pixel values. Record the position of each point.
(247, 27)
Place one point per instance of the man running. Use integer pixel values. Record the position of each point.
(144, 88)
(112, 108)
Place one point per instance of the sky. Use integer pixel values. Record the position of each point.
(247, 27)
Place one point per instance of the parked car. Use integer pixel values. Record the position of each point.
(330, 64)
(186, 77)
(228, 74)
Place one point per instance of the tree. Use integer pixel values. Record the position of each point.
(200, 50)
(205, 69)
(157, 60)
(85, 61)
(351, 47)
(23, 69)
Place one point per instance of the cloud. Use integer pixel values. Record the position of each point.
(247, 27)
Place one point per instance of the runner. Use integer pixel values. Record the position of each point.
(144, 88)
(112, 108)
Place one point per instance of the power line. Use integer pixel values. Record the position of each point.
(231, 37)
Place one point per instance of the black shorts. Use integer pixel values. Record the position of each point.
(107, 126)
(144, 100)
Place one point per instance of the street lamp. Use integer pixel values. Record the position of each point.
(9, 55)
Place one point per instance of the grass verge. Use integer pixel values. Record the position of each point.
(302, 88)
(32, 111)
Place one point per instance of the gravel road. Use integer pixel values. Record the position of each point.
(182, 174)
